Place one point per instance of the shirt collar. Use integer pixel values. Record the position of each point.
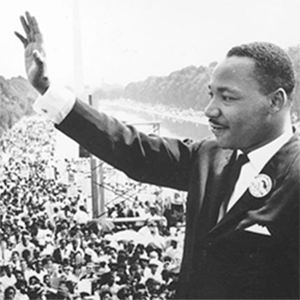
(259, 157)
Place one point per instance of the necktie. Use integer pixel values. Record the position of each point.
(229, 185)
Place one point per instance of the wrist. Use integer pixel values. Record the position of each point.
(43, 85)
(55, 102)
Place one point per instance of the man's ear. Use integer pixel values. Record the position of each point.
(278, 100)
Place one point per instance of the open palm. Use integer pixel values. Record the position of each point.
(35, 58)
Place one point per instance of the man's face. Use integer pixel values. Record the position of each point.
(23, 288)
(238, 112)
(10, 294)
(23, 265)
(63, 243)
(89, 268)
(47, 279)
(152, 227)
(19, 276)
(15, 256)
(25, 239)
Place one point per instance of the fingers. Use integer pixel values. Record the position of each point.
(25, 26)
(31, 29)
(30, 25)
(35, 26)
(22, 39)
(36, 30)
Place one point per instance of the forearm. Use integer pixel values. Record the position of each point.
(145, 158)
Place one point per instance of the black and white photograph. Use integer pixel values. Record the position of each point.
(149, 149)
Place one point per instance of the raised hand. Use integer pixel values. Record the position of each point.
(35, 57)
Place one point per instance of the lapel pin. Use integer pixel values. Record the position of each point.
(260, 186)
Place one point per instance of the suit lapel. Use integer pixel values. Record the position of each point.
(276, 169)
(218, 186)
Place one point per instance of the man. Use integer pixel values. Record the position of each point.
(61, 252)
(81, 216)
(9, 293)
(26, 270)
(25, 244)
(247, 248)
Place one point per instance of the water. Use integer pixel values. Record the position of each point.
(170, 127)
(145, 121)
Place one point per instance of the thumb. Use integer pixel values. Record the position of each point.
(38, 58)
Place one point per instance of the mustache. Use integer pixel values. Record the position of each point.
(215, 122)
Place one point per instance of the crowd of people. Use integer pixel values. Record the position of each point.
(52, 248)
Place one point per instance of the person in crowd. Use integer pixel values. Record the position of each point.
(25, 244)
(26, 270)
(38, 268)
(5, 252)
(108, 281)
(81, 216)
(151, 232)
(125, 293)
(106, 295)
(9, 293)
(35, 288)
(154, 271)
(61, 252)
(8, 279)
(63, 292)
(89, 272)
(21, 290)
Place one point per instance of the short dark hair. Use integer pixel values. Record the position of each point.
(104, 293)
(273, 67)
(8, 289)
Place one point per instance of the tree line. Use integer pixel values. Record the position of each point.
(186, 88)
(182, 89)
(16, 99)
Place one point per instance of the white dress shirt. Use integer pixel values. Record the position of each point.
(55, 104)
(257, 160)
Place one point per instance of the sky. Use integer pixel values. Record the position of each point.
(123, 41)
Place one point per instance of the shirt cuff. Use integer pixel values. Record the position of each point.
(55, 104)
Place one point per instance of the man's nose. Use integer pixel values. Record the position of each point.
(212, 110)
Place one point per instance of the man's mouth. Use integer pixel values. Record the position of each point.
(216, 127)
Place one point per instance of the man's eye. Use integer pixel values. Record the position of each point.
(227, 98)
(210, 94)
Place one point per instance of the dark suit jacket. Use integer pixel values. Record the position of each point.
(220, 262)
(57, 257)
